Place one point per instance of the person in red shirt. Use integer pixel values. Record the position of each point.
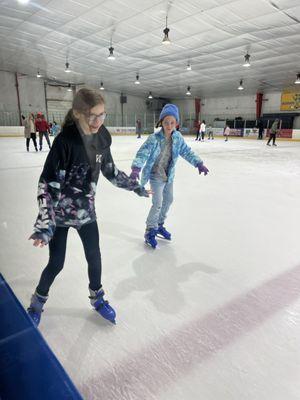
(43, 129)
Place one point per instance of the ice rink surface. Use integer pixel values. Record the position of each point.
(212, 315)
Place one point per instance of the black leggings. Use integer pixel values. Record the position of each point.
(33, 137)
(89, 235)
(272, 136)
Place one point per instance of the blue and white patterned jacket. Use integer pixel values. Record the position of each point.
(151, 149)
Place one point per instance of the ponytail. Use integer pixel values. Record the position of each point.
(69, 118)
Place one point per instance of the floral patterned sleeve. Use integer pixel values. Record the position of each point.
(49, 191)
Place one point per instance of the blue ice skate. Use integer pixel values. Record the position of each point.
(150, 237)
(162, 232)
(102, 306)
(36, 307)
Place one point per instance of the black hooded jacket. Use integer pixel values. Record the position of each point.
(67, 186)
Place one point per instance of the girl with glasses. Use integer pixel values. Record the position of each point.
(66, 196)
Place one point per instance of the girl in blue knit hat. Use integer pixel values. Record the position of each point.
(157, 157)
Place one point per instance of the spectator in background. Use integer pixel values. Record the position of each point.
(273, 131)
(210, 132)
(29, 131)
(202, 130)
(260, 126)
(198, 131)
(56, 128)
(138, 128)
(42, 128)
(226, 132)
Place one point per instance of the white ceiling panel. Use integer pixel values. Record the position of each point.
(73, 8)
(52, 15)
(13, 13)
(254, 9)
(223, 15)
(9, 22)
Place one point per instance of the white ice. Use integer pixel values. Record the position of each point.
(214, 314)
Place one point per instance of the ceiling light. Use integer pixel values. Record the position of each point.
(101, 86)
(137, 81)
(69, 88)
(67, 68)
(297, 81)
(188, 93)
(23, 1)
(111, 54)
(241, 85)
(38, 75)
(166, 31)
(247, 60)
(150, 95)
(188, 66)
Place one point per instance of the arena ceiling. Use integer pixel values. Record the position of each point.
(213, 35)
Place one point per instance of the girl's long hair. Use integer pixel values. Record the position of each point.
(83, 101)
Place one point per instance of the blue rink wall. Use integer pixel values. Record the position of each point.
(28, 368)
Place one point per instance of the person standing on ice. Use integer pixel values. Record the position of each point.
(202, 130)
(158, 157)
(66, 196)
(29, 131)
(138, 128)
(43, 129)
(226, 132)
(273, 131)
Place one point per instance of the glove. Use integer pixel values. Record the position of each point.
(202, 168)
(135, 173)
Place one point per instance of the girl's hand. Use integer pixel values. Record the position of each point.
(149, 191)
(135, 173)
(202, 168)
(38, 242)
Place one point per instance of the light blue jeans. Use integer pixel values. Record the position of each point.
(162, 198)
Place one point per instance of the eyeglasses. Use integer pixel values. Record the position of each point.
(168, 123)
(94, 117)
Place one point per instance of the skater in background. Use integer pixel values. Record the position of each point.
(29, 131)
(138, 128)
(198, 135)
(55, 128)
(210, 132)
(157, 157)
(226, 132)
(202, 130)
(43, 129)
(273, 132)
(260, 127)
(66, 197)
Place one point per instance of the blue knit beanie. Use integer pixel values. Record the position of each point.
(169, 109)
